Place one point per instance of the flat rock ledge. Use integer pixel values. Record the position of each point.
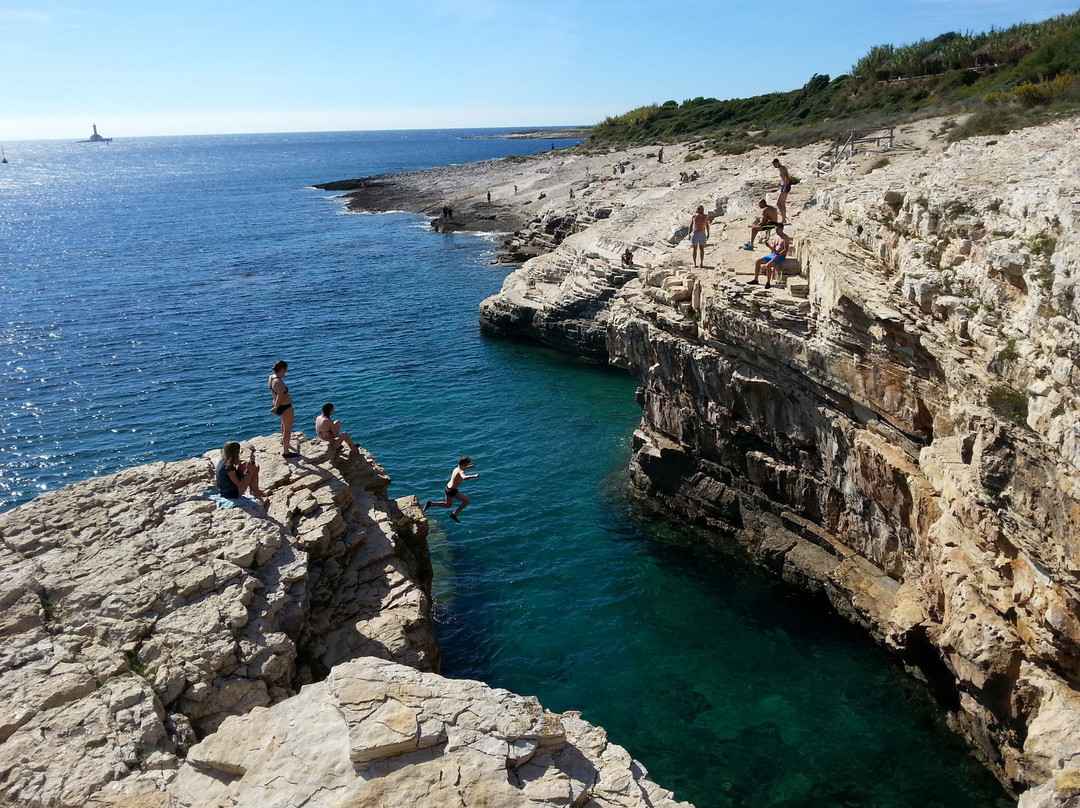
(156, 650)
(376, 733)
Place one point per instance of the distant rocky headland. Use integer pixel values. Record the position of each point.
(159, 651)
(894, 425)
(566, 133)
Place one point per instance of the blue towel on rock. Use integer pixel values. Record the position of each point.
(224, 503)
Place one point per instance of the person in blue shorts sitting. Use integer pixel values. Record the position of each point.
(767, 263)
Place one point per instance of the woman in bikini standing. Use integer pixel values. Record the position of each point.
(282, 408)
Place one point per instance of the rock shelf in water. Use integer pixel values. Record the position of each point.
(158, 651)
(895, 424)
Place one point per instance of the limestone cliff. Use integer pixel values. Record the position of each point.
(896, 424)
(158, 651)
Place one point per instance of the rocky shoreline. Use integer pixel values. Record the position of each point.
(157, 650)
(895, 425)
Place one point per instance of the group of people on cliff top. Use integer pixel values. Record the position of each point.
(771, 223)
(236, 477)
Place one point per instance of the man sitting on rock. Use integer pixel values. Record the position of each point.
(628, 258)
(767, 263)
(768, 221)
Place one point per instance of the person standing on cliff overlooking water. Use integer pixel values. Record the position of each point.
(699, 236)
(457, 477)
(283, 407)
(785, 188)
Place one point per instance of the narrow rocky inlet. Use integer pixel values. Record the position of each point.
(157, 650)
(894, 425)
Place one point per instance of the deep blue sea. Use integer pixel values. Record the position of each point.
(147, 286)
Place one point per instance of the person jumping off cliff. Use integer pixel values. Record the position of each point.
(457, 477)
(699, 236)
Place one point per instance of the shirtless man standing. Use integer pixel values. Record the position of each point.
(457, 477)
(785, 188)
(699, 235)
(768, 222)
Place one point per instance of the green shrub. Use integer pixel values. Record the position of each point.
(1009, 352)
(995, 206)
(1030, 94)
(1044, 276)
(1042, 244)
(958, 208)
(1008, 403)
(692, 157)
(881, 162)
(986, 122)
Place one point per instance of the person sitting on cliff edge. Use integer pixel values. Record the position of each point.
(236, 478)
(768, 221)
(767, 263)
(330, 431)
(457, 477)
(628, 258)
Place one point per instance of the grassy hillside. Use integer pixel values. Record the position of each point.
(1008, 77)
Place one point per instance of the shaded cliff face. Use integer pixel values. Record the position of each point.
(137, 616)
(897, 427)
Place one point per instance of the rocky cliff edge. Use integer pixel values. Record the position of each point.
(157, 650)
(895, 424)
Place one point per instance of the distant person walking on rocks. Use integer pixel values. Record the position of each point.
(699, 236)
(283, 408)
(779, 246)
(767, 223)
(457, 477)
(330, 431)
(785, 188)
(660, 155)
(571, 193)
(235, 478)
(489, 196)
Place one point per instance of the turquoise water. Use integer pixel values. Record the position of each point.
(146, 288)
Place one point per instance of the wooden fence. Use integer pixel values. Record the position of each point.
(858, 142)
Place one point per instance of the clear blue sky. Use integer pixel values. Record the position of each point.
(155, 67)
